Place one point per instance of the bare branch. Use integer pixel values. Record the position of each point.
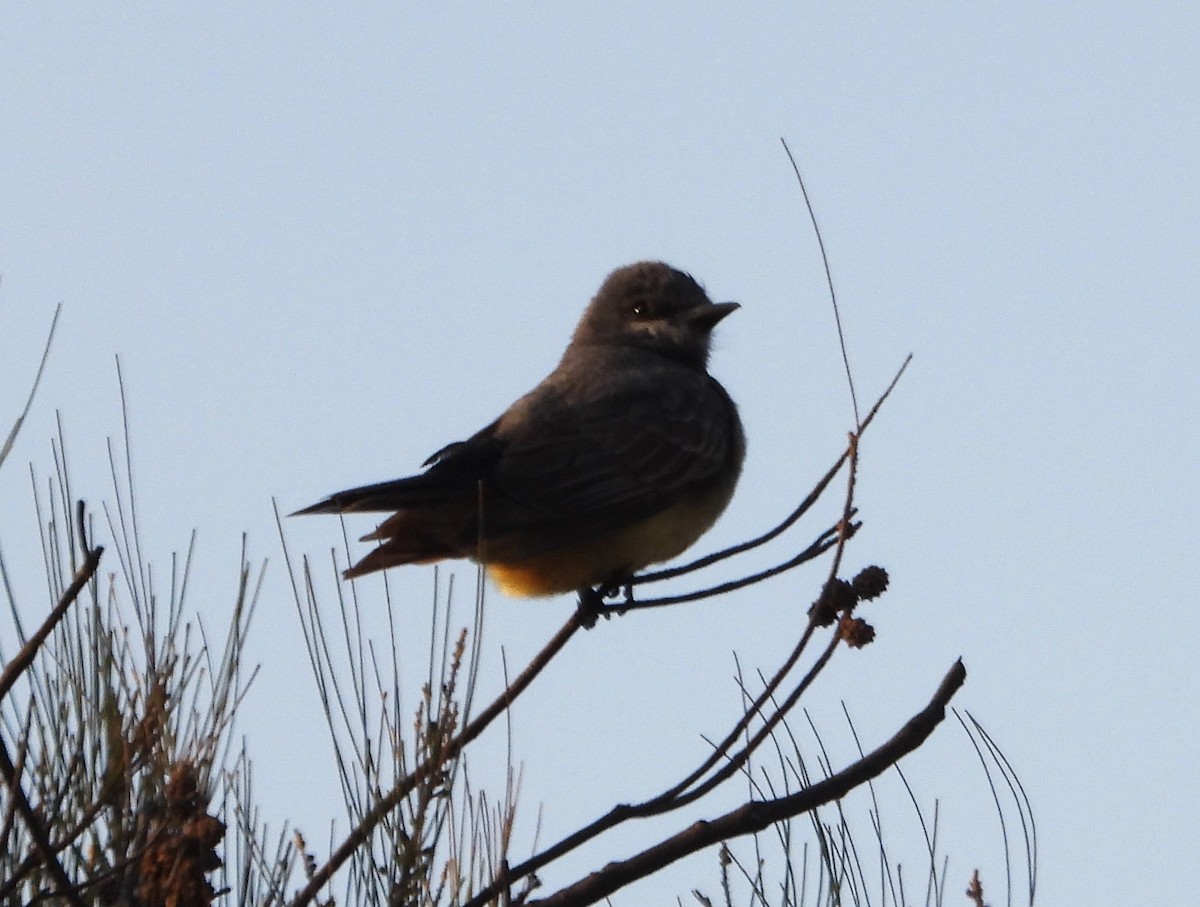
(756, 816)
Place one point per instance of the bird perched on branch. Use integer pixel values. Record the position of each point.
(622, 457)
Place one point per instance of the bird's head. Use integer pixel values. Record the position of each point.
(652, 306)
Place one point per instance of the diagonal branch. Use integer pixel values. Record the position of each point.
(386, 804)
(755, 816)
(8, 678)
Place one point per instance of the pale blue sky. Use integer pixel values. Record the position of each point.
(326, 242)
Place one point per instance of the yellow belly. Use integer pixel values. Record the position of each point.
(619, 553)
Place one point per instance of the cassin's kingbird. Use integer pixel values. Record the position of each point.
(622, 457)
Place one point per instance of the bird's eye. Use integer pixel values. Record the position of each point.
(637, 310)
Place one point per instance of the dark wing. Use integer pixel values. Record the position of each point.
(454, 473)
(578, 467)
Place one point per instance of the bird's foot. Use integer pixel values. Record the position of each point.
(591, 606)
(623, 588)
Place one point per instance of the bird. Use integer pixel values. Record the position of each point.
(622, 457)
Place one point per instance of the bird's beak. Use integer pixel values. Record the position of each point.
(707, 316)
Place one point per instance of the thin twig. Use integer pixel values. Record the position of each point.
(1020, 798)
(837, 315)
(820, 545)
(37, 379)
